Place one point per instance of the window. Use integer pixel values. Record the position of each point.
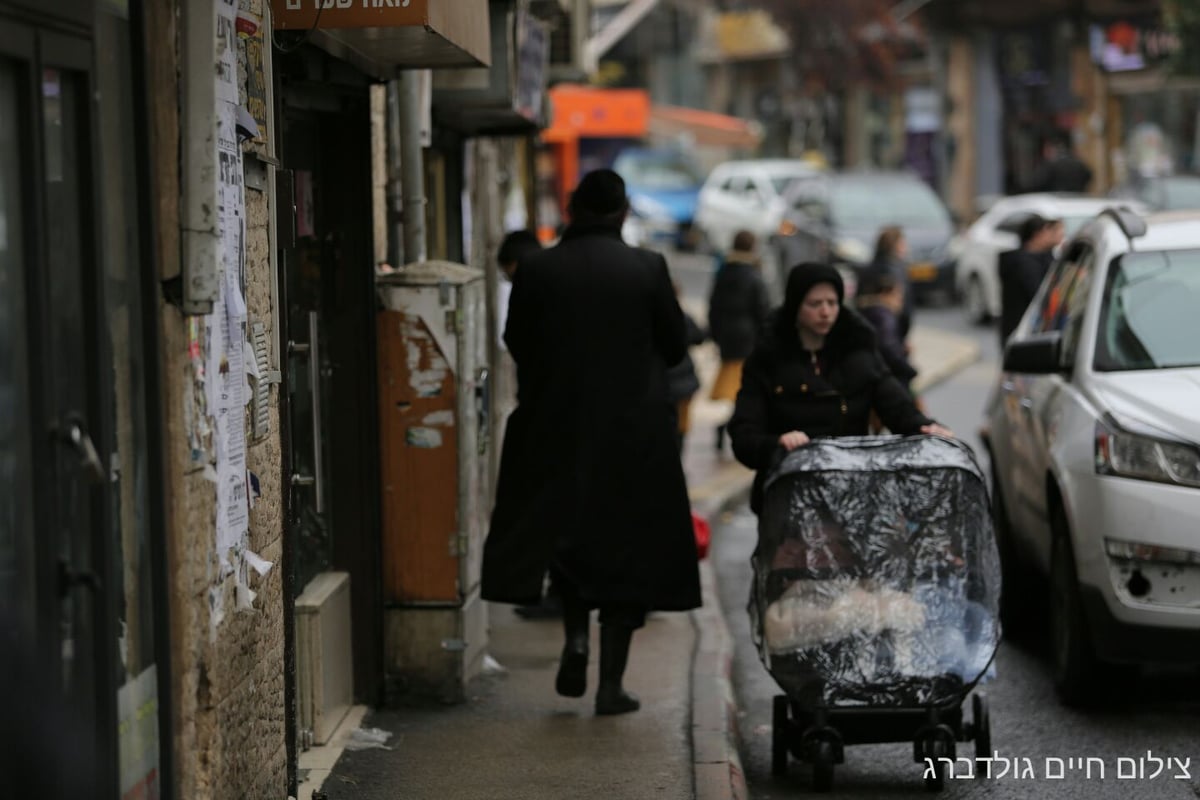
(1064, 299)
(1148, 316)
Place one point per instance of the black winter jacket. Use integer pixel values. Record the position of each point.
(737, 308)
(891, 345)
(827, 393)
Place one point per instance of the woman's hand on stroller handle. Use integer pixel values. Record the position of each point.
(937, 430)
(793, 439)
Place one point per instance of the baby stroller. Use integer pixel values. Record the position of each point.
(875, 600)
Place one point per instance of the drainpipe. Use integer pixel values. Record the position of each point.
(395, 199)
(201, 240)
(407, 139)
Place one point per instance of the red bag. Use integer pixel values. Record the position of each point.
(703, 533)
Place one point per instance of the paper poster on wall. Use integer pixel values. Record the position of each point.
(137, 736)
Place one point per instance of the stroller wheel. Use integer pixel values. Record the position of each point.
(981, 726)
(780, 730)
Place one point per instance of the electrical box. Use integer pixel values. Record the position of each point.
(435, 440)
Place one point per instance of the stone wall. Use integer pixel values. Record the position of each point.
(227, 687)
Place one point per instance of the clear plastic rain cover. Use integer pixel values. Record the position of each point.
(877, 579)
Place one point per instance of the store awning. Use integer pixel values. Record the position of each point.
(704, 128)
(382, 36)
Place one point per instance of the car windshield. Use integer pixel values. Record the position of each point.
(657, 172)
(1073, 224)
(866, 203)
(782, 183)
(1149, 318)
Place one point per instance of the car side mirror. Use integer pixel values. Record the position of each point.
(1040, 354)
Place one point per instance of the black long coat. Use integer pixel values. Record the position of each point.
(590, 478)
(784, 390)
(737, 308)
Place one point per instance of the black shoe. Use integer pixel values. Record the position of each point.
(572, 673)
(572, 666)
(611, 698)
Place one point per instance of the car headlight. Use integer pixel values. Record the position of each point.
(1136, 551)
(1133, 455)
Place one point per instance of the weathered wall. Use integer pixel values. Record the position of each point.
(227, 688)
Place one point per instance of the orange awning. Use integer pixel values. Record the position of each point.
(584, 112)
(707, 128)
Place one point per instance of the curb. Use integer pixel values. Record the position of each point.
(963, 356)
(716, 760)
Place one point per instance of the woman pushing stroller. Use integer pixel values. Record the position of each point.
(816, 372)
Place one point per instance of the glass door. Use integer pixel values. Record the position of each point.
(78, 621)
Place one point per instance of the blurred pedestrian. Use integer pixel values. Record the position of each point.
(816, 373)
(1021, 271)
(737, 309)
(880, 300)
(682, 381)
(891, 258)
(591, 486)
(515, 246)
(1062, 170)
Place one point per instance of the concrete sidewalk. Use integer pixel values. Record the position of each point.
(515, 738)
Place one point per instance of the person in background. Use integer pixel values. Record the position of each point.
(1021, 271)
(515, 246)
(817, 372)
(1063, 171)
(738, 306)
(891, 258)
(880, 301)
(682, 381)
(590, 486)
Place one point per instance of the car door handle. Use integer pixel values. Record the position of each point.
(1026, 403)
(1008, 386)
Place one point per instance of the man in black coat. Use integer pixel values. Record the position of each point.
(591, 486)
(1063, 171)
(1021, 271)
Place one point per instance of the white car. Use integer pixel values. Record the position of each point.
(977, 251)
(1094, 436)
(747, 195)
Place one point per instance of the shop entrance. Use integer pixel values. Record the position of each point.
(328, 275)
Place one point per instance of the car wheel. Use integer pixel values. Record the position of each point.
(1076, 669)
(975, 303)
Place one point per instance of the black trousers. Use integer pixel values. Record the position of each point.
(622, 615)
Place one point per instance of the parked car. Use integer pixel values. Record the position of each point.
(978, 249)
(837, 217)
(1095, 448)
(1163, 193)
(746, 195)
(663, 185)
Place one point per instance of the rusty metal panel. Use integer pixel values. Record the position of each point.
(419, 463)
